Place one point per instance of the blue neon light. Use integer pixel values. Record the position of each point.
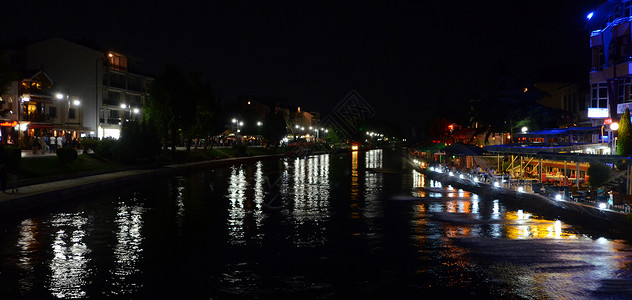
(590, 15)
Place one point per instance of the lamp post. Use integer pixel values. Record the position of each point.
(23, 98)
(613, 127)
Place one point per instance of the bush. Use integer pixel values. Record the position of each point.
(89, 144)
(66, 155)
(598, 174)
(108, 149)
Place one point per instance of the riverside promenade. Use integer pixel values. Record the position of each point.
(47, 192)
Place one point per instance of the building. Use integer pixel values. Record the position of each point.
(610, 77)
(107, 84)
(32, 105)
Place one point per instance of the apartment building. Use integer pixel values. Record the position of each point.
(107, 84)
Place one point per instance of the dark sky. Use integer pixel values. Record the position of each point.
(398, 56)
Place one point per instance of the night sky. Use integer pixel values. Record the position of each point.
(401, 58)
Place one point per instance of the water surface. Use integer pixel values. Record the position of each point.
(325, 226)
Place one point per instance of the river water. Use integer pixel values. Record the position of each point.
(346, 225)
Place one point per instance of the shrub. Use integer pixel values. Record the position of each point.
(108, 149)
(89, 144)
(66, 155)
(598, 174)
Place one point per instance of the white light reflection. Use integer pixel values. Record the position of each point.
(418, 179)
(495, 210)
(311, 198)
(69, 265)
(27, 249)
(236, 212)
(128, 248)
(373, 184)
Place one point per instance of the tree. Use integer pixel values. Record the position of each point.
(598, 174)
(509, 106)
(624, 140)
(171, 108)
(274, 128)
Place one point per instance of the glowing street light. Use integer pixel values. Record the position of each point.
(614, 126)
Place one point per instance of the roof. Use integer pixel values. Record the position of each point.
(600, 16)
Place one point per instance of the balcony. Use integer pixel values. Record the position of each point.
(610, 72)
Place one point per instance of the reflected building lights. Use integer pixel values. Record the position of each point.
(28, 246)
(128, 249)
(69, 265)
(236, 212)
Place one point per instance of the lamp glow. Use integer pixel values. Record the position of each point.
(614, 126)
(590, 15)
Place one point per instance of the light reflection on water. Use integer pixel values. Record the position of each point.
(28, 247)
(70, 265)
(336, 229)
(128, 249)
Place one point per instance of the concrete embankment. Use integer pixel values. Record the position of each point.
(568, 211)
(47, 193)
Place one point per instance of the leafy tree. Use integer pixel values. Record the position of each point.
(508, 106)
(624, 141)
(598, 174)
(274, 128)
(138, 143)
(171, 108)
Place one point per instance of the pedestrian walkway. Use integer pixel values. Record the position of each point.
(29, 153)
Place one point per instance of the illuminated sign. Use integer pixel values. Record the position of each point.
(607, 121)
(597, 113)
(9, 124)
(622, 106)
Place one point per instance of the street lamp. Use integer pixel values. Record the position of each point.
(613, 141)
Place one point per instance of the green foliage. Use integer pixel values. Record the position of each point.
(240, 149)
(139, 143)
(598, 174)
(274, 128)
(624, 140)
(89, 144)
(108, 149)
(14, 157)
(66, 155)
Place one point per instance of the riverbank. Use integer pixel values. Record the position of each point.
(39, 192)
(546, 206)
(42, 192)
